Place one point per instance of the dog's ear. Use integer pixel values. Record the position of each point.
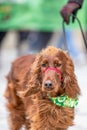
(70, 83)
(33, 80)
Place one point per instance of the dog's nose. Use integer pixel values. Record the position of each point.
(48, 84)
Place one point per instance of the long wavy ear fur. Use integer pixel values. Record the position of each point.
(34, 80)
(69, 79)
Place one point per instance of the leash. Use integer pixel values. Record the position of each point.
(84, 39)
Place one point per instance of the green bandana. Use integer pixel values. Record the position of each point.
(64, 101)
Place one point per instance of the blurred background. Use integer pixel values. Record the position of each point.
(27, 26)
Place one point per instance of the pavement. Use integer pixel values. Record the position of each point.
(7, 55)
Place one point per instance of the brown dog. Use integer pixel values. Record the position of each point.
(40, 80)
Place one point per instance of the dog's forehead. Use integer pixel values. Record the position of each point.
(50, 51)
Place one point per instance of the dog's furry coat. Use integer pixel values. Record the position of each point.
(26, 91)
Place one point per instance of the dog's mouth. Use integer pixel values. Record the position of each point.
(46, 94)
(51, 87)
(50, 92)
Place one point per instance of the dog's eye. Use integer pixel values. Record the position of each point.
(44, 65)
(58, 64)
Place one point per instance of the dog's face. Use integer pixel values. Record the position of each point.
(51, 79)
(52, 68)
(52, 73)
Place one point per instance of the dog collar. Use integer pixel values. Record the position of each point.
(54, 69)
(64, 101)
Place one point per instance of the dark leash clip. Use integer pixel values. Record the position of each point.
(84, 39)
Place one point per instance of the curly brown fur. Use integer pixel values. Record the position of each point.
(15, 78)
(33, 84)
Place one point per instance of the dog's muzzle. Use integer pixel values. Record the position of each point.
(48, 84)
